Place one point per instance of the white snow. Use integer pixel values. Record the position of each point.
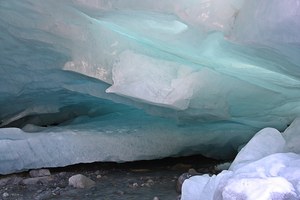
(265, 169)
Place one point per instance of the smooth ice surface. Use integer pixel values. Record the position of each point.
(266, 168)
(205, 74)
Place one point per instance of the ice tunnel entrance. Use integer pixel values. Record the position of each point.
(130, 80)
(104, 131)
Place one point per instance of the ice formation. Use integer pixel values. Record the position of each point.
(99, 80)
(268, 167)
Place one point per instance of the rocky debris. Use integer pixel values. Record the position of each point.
(208, 170)
(81, 181)
(115, 182)
(98, 176)
(37, 176)
(97, 172)
(56, 191)
(5, 195)
(148, 183)
(134, 185)
(222, 166)
(193, 172)
(120, 192)
(12, 180)
(4, 181)
(37, 180)
(140, 170)
(62, 174)
(184, 176)
(181, 166)
(180, 181)
(43, 194)
(15, 180)
(39, 173)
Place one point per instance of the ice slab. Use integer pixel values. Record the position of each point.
(115, 136)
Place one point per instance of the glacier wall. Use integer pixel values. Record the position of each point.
(80, 78)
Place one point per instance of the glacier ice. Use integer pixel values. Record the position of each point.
(80, 78)
(266, 168)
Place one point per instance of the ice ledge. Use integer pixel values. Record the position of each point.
(110, 138)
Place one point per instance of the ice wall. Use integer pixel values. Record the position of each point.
(207, 72)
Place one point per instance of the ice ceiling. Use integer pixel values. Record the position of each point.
(110, 80)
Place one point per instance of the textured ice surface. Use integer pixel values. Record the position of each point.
(205, 73)
(266, 168)
(114, 137)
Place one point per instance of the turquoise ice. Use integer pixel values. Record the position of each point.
(156, 79)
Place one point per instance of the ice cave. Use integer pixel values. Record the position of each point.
(109, 80)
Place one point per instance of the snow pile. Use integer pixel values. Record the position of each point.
(268, 167)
